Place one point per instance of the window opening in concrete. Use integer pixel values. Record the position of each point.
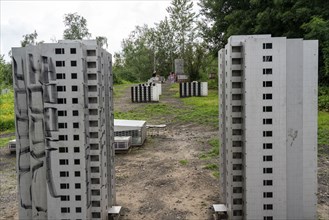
(268, 194)
(62, 137)
(75, 113)
(64, 173)
(236, 96)
(74, 88)
(236, 61)
(60, 63)
(267, 96)
(267, 182)
(76, 125)
(91, 64)
(59, 51)
(268, 170)
(267, 133)
(64, 186)
(78, 209)
(268, 158)
(267, 146)
(267, 45)
(236, 108)
(61, 88)
(78, 185)
(76, 149)
(76, 161)
(267, 71)
(268, 206)
(60, 76)
(61, 101)
(77, 173)
(61, 113)
(63, 150)
(267, 121)
(77, 198)
(73, 63)
(92, 76)
(74, 75)
(267, 83)
(267, 58)
(65, 198)
(62, 125)
(267, 108)
(236, 49)
(65, 210)
(76, 137)
(73, 50)
(63, 162)
(74, 100)
(91, 53)
(237, 85)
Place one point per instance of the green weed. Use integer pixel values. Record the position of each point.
(7, 121)
(214, 152)
(211, 166)
(323, 132)
(183, 162)
(4, 141)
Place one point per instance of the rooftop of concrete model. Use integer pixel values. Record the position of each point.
(133, 123)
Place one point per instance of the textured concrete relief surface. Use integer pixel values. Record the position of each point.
(36, 120)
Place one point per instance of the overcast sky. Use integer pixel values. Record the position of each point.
(114, 19)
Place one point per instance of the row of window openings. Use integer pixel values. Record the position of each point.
(78, 209)
(77, 150)
(238, 73)
(238, 61)
(75, 88)
(63, 125)
(266, 96)
(74, 51)
(266, 121)
(63, 113)
(238, 49)
(91, 76)
(91, 100)
(265, 145)
(76, 137)
(61, 63)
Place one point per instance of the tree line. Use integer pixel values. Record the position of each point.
(197, 37)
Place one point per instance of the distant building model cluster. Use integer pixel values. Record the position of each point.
(64, 130)
(268, 127)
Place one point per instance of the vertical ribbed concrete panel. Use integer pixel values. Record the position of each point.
(269, 91)
(64, 130)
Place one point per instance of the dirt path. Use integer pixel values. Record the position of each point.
(165, 179)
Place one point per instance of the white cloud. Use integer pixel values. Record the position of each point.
(113, 19)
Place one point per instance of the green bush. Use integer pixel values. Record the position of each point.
(7, 121)
(323, 99)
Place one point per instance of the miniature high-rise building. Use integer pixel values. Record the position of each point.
(64, 130)
(268, 127)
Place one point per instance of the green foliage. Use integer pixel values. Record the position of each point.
(76, 27)
(154, 49)
(5, 140)
(183, 162)
(211, 166)
(7, 121)
(102, 41)
(323, 130)
(323, 99)
(30, 39)
(202, 110)
(214, 152)
(6, 78)
(293, 19)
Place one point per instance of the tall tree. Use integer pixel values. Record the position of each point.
(289, 18)
(76, 27)
(5, 72)
(182, 22)
(30, 39)
(102, 41)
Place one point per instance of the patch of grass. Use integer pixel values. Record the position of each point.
(4, 141)
(7, 121)
(323, 99)
(214, 152)
(211, 166)
(216, 174)
(145, 112)
(183, 162)
(323, 132)
(202, 110)
(119, 89)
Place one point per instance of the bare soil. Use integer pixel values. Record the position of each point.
(164, 178)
